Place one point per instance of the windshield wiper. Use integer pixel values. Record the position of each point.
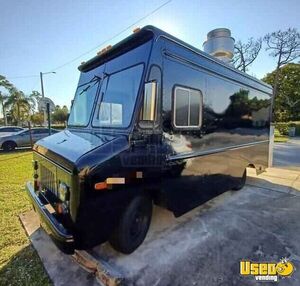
(84, 90)
(96, 77)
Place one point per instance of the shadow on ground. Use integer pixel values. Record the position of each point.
(206, 245)
(21, 270)
(18, 150)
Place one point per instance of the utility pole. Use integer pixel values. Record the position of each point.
(48, 116)
(43, 97)
(43, 94)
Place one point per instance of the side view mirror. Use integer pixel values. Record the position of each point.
(149, 106)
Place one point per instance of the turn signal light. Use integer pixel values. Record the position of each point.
(100, 186)
(59, 208)
(108, 183)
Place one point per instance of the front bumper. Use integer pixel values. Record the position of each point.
(59, 234)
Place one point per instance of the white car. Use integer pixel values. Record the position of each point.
(23, 138)
(8, 130)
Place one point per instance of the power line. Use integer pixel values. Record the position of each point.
(21, 76)
(96, 47)
(113, 37)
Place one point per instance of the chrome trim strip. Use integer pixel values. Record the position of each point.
(216, 61)
(214, 151)
(209, 71)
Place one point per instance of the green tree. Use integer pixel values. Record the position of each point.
(35, 97)
(19, 105)
(284, 46)
(60, 115)
(3, 98)
(5, 84)
(37, 119)
(287, 101)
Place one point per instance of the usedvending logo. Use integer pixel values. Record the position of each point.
(267, 271)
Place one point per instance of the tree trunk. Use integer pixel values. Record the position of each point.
(4, 115)
(275, 87)
(18, 113)
(243, 63)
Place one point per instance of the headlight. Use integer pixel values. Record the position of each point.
(63, 192)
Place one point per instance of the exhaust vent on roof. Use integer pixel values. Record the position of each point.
(220, 44)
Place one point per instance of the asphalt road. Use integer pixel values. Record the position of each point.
(287, 155)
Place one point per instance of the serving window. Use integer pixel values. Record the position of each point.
(187, 108)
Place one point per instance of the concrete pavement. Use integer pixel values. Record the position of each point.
(205, 246)
(287, 155)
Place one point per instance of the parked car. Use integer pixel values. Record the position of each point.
(22, 138)
(8, 130)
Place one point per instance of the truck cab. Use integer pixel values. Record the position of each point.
(144, 128)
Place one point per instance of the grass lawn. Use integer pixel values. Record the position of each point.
(19, 262)
(281, 139)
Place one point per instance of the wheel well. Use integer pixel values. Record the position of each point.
(9, 141)
(251, 166)
(258, 168)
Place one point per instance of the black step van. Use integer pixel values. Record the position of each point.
(154, 121)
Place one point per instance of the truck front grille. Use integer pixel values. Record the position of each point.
(48, 180)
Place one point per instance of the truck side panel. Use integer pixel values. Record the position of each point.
(233, 130)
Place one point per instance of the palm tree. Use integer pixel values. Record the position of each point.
(3, 99)
(34, 99)
(19, 105)
(7, 85)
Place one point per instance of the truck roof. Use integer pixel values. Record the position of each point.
(149, 32)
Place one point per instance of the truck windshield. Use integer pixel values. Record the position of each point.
(83, 103)
(115, 106)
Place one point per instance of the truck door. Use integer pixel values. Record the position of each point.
(24, 139)
(148, 153)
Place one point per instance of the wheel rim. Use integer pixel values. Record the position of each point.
(138, 223)
(7, 147)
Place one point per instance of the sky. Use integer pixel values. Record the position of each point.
(42, 36)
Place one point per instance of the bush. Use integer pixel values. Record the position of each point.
(276, 133)
(283, 127)
(58, 126)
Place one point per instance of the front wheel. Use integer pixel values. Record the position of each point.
(133, 225)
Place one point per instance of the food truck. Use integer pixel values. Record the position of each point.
(154, 121)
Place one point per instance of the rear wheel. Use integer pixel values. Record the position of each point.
(133, 225)
(242, 182)
(9, 146)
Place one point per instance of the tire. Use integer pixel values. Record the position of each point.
(133, 225)
(242, 182)
(9, 146)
